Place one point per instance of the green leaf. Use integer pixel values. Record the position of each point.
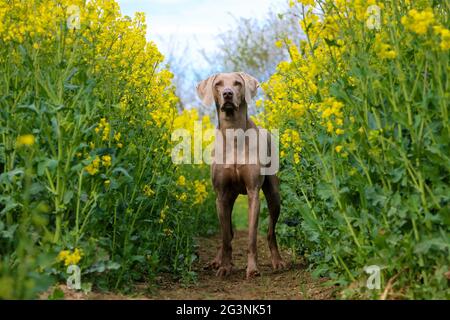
(436, 243)
(31, 107)
(49, 164)
(36, 188)
(57, 294)
(9, 204)
(68, 195)
(9, 232)
(122, 171)
(375, 196)
(324, 191)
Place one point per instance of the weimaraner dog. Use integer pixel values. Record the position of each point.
(231, 93)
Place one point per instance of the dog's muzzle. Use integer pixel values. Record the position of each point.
(228, 106)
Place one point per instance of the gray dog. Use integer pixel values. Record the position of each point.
(231, 93)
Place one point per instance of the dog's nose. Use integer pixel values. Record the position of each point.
(227, 94)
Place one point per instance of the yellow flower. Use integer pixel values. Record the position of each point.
(106, 129)
(96, 162)
(148, 191)
(181, 181)
(384, 50)
(117, 136)
(290, 140)
(106, 160)
(25, 140)
(73, 258)
(120, 145)
(200, 192)
(306, 2)
(93, 168)
(162, 215)
(418, 21)
(70, 258)
(107, 183)
(338, 149)
(330, 126)
(182, 197)
(339, 132)
(105, 136)
(445, 37)
(62, 255)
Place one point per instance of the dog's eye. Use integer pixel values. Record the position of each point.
(218, 84)
(237, 84)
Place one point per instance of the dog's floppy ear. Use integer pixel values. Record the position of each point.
(205, 90)
(251, 86)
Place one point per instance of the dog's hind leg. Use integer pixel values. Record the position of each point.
(271, 191)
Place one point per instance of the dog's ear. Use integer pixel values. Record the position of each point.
(251, 86)
(205, 90)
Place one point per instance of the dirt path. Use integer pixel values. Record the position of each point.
(292, 283)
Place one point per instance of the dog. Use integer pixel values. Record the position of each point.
(232, 93)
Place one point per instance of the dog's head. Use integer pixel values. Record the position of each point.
(228, 90)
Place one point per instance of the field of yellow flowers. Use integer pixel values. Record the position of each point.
(362, 108)
(86, 177)
(87, 109)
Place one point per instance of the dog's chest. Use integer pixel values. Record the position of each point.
(230, 176)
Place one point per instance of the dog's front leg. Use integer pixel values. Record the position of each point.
(224, 203)
(253, 215)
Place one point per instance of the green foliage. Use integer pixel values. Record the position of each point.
(371, 185)
(86, 175)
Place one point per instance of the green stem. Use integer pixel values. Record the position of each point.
(77, 213)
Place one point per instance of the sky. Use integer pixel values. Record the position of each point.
(193, 23)
(183, 29)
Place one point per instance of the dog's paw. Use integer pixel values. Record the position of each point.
(278, 264)
(252, 273)
(224, 271)
(213, 265)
